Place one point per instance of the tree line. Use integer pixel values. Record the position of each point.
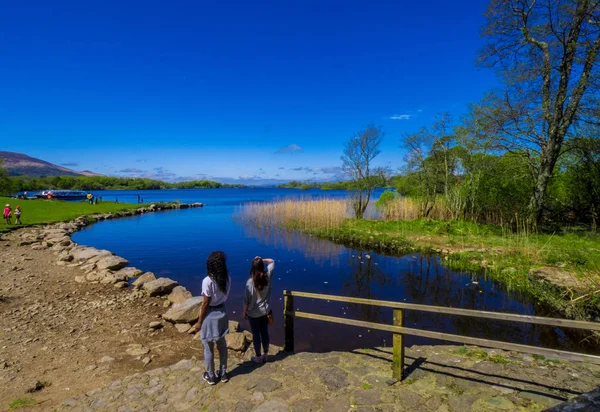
(10, 185)
(527, 153)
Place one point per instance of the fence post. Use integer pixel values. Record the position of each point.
(288, 323)
(398, 339)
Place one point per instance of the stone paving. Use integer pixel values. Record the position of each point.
(438, 378)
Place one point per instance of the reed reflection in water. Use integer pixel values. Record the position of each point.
(412, 278)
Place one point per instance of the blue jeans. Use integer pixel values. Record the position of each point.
(260, 333)
(209, 356)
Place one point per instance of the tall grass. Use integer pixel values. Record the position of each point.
(409, 209)
(297, 214)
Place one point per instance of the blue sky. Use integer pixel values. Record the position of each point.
(231, 90)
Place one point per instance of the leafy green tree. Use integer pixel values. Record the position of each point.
(546, 53)
(5, 183)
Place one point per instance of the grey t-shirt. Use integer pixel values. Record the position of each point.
(258, 307)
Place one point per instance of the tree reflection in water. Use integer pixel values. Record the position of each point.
(334, 269)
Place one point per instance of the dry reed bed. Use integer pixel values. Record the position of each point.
(297, 214)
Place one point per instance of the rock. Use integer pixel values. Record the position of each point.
(106, 359)
(247, 334)
(547, 401)
(462, 402)
(367, 397)
(557, 276)
(80, 279)
(120, 285)
(186, 312)
(112, 263)
(37, 386)
(500, 402)
(273, 405)
(263, 385)
(136, 349)
(65, 258)
(146, 277)
(166, 304)
(127, 273)
(185, 364)
(179, 295)
(160, 286)
(146, 361)
(182, 327)
(83, 254)
(334, 378)
(155, 325)
(234, 326)
(236, 341)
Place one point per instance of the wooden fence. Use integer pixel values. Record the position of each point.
(399, 330)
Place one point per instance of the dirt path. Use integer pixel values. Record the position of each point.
(64, 334)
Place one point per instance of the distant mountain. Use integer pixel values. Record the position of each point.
(19, 164)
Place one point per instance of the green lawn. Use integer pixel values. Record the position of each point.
(500, 254)
(50, 211)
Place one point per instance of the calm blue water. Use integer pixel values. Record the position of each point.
(176, 243)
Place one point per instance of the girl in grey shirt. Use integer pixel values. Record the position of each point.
(257, 305)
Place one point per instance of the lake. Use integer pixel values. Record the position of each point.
(176, 243)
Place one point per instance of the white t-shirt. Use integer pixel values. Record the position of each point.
(210, 289)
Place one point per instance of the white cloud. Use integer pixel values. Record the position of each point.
(293, 148)
(401, 116)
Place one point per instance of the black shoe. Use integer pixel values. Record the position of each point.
(223, 377)
(207, 378)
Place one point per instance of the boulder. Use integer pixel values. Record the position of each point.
(146, 277)
(186, 312)
(155, 325)
(136, 349)
(234, 326)
(179, 295)
(558, 277)
(112, 263)
(65, 257)
(83, 254)
(160, 286)
(182, 327)
(236, 341)
(127, 273)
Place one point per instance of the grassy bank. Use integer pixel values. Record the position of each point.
(46, 211)
(500, 254)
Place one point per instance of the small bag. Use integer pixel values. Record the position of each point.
(270, 318)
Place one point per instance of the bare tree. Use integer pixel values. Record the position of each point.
(357, 160)
(546, 51)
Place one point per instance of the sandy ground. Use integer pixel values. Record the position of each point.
(56, 331)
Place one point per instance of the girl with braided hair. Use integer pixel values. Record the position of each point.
(213, 322)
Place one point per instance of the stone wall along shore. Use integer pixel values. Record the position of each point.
(104, 267)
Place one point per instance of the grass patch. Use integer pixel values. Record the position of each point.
(22, 402)
(493, 251)
(538, 357)
(367, 386)
(479, 354)
(409, 380)
(51, 211)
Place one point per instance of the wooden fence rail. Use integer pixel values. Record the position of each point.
(398, 329)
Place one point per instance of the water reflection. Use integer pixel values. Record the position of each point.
(310, 264)
(412, 278)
